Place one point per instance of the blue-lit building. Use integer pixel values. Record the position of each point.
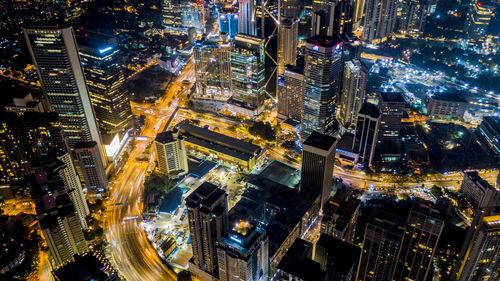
(323, 66)
(228, 21)
(490, 130)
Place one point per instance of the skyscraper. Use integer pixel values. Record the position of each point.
(478, 20)
(207, 214)
(61, 226)
(55, 55)
(381, 243)
(228, 21)
(212, 62)
(318, 157)
(171, 154)
(332, 18)
(246, 12)
(288, 31)
(365, 138)
(93, 172)
(290, 93)
(477, 190)
(392, 107)
(423, 230)
(248, 71)
(106, 82)
(172, 13)
(322, 76)
(413, 16)
(243, 253)
(353, 92)
(379, 20)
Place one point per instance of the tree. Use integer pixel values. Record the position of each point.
(157, 183)
(263, 130)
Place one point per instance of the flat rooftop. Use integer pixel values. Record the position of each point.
(370, 109)
(281, 173)
(392, 97)
(320, 141)
(455, 97)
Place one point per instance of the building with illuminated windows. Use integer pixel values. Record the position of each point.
(55, 54)
(413, 16)
(478, 20)
(392, 107)
(323, 67)
(366, 135)
(228, 21)
(288, 31)
(490, 130)
(379, 20)
(171, 154)
(193, 15)
(212, 63)
(93, 172)
(172, 14)
(248, 73)
(247, 14)
(207, 214)
(352, 94)
(106, 82)
(290, 93)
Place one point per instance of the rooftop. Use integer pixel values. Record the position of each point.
(85, 267)
(370, 109)
(493, 121)
(456, 97)
(206, 194)
(392, 97)
(320, 141)
(281, 173)
(341, 256)
(323, 41)
(298, 263)
(165, 137)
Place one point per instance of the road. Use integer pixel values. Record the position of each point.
(131, 252)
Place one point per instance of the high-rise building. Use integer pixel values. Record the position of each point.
(359, 12)
(171, 153)
(289, 8)
(477, 190)
(290, 93)
(392, 107)
(246, 12)
(212, 62)
(93, 172)
(207, 214)
(478, 20)
(422, 232)
(193, 15)
(288, 31)
(332, 18)
(479, 258)
(61, 226)
(25, 137)
(228, 21)
(318, 157)
(172, 13)
(248, 71)
(490, 131)
(322, 72)
(381, 243)
(55, 55)
(365, 138)
(353, 92)
(379, 21)
(413, 16)
(106, 82)
(243, 253)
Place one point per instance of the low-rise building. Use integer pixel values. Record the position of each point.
(447, 105)
(340, 215)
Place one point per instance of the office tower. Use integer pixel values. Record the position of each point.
(93, 172)
(413, 16)
(422, 231)
(207, 214)
(479, 258)
(478, 20)
(246, 14)
(243, 253)
(392, 107)
(322, 75)
(332, 18)
(344, 18)
(477, 190)
(25, 137)
(367, 128)
(340, 215)
(106, 82)
(290, 93)
(172, 14)
(359, 11)
(288, 31)
(55, 55)
(212, 62)
(353, 92)
(318, 157)
(248, 71)
(490, 131)
(228, 21)
(381, 243)
(193, 15)
(379, 21)
(338, 258)
(60, 224)
(171, 153)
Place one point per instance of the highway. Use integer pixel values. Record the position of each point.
(131, 252)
